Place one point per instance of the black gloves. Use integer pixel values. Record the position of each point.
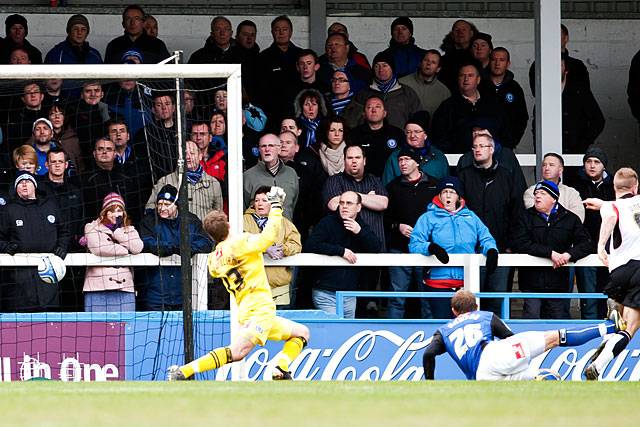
(12, 248)
(439, 252)
(492, 261)
(58, 251)
(119, 222)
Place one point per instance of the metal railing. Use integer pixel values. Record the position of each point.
(471, 264)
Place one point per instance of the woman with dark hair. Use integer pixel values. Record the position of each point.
(310, 112)
(218, 125)
(331, 149)
(111, 234)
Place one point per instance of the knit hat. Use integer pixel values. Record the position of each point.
(550, 187)
(450, 182)
(420, 118)
(482, 36)
(385, 56)
(598, 153)
(168, 192)
(112, 199)
(125, 59)
(403, 20)
(16, 19)
(43, 120)
(410, 152)
(78, 19)
(22, 175)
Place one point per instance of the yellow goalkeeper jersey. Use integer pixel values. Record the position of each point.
(238, 262)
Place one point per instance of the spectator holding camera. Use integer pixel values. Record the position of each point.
(111, 234)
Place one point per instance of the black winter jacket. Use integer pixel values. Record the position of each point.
(35, 226)
(538, 237)
(329, 237)
(407, 201)
(495, 196)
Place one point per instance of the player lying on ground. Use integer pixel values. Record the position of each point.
(237, 260)
(620, 228)
(469, 340)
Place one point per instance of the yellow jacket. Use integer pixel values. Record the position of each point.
(279, 277)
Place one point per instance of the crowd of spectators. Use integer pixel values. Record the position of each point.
(359, 147)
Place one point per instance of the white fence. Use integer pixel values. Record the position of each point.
(470, 262)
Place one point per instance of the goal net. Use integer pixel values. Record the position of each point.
(103, 186)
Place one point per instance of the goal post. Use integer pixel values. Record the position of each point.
(178, 73)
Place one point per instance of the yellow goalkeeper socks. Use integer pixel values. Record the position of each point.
(291, 349)
(212, 360)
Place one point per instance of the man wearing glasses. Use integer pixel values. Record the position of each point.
(135, 38)
(493, 194)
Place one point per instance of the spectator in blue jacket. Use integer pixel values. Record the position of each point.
(74, 49)
(161, 287)
(447, 227)
(406, 54)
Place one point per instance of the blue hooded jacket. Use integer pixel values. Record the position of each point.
(458, 232)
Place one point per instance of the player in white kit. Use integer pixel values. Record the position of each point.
(621, 230)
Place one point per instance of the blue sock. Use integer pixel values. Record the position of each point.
(576, 337)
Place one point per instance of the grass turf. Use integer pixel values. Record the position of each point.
(266, 404)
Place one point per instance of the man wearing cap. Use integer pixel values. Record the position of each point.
(42, 143)
(401, 101)
(17, 29)
(548, 230)
(495, 196)
(161, 287)
(74, 49)
(30, 223)
(448, 226)
(409, 195)
(593, 182)
(430, 90)
(433, 162)
(552, 170)
(455, 118)
(153, 49)
(406, 54)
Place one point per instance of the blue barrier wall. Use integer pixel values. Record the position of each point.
(140, 346)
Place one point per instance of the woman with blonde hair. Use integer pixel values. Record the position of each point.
(111, 234)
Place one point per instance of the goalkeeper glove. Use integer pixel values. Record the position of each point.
(276, 197)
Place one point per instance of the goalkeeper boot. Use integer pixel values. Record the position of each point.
(614, 315)
(175, 374)
(280, 374)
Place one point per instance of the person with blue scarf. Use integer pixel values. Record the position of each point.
(401, 101)
(548, 230)
(205, 193)
(341, 99)
(311, 111)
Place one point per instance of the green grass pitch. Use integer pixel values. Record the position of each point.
(368, 404)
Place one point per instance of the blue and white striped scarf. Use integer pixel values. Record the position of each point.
(195, 176)
(338, 105)
(385, 87)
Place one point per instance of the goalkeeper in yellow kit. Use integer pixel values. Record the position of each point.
(237, 260)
